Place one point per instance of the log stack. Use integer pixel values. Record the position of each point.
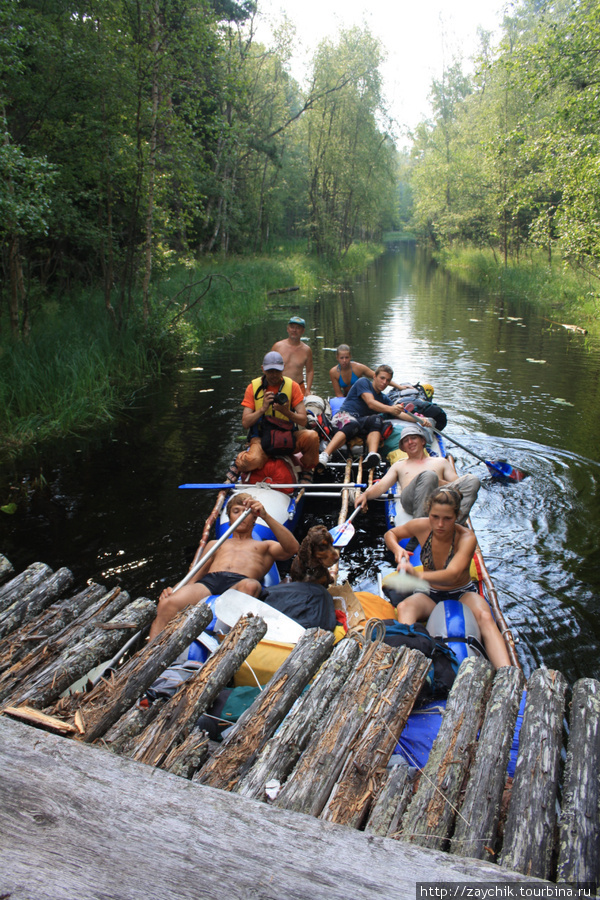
(320, 737)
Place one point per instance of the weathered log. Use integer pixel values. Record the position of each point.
(39, 719)
(579, 825)
(365, 767)
(32, 604)
(531, 821)
(120, 737)
(107, 702)
(52, 620)
(476, 827)
(285, 290)
(258, 723)
(79, 822)
(21, 584)
(180, 713)
(281, 752)
(394, 796)
(46, 686)
(310, 784)
(40, 657)
(430, 816)
(186, 759)
(6, 568)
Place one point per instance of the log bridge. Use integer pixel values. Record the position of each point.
(102, 797)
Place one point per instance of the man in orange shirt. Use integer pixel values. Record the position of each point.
(273, 413)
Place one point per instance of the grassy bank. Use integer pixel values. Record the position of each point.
(75, 371)
(569, 295)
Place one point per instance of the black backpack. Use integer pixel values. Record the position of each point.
(445, 662)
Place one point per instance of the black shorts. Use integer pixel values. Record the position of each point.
(440, 596)
(219, 582)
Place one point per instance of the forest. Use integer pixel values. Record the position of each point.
(155, 155)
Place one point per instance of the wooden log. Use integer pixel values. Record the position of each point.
(39, 719)
(107, 702)
(79, 822)
(477, 826)
(394, 796)
(430, 816)
(46, 686)
(6, 568)
(310, 784)
(285, 290)
(52, 620)
(258, 723)
(120, 737)
(281, 752)
(21, 584)
(42, 656)
(366, 766)
(32, 604)
(579, 825)
(530, 824)
(186, 759)
(182, 711)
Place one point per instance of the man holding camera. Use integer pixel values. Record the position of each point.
(273, 413)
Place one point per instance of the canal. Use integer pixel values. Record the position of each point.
(514, 382)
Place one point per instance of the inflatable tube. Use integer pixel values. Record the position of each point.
(452, 619)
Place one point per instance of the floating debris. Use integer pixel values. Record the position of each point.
(514, 318)
(575, 328)
(236, 370)
(562, 402)
(206, 391)
(541, 361)
(214, 376)
(474, 320)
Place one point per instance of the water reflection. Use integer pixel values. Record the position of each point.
(515, 386)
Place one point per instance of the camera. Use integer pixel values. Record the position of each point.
(280, 398)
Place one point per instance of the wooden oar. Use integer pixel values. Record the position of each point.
(498, 468)
(343, 534)
(279, 487)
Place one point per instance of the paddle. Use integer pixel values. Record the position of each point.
(405, 583)
(498, 468)
(343, 534)
(279, 487)
(180, 584)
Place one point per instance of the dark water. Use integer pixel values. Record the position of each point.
(515, 385)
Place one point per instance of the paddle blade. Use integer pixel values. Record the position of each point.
(404, 583)
(342, 534)
(504, 471)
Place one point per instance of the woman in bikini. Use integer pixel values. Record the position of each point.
(347, 372)
(447, 549)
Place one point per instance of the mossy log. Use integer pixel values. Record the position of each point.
(186, 759)
(22, 584)
(107, 702)
(281, 752)
(531, 822)
(21, 672)
(430, 816)
(50, 622)
(311, 782)
(476, 827)
(365, 769)
(32, 604)
(258, 723)
(394, 796)
(179, 715)
(47, 685)
(579, 824)
(6, 568)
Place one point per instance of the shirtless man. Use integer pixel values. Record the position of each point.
(419, 476)
(241, 562)
(296, 355)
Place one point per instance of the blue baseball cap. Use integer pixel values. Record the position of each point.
(297, 320)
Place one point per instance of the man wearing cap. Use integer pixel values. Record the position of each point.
(297, 356)
(420, 475)
(273, 410)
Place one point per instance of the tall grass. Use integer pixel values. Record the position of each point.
(573, 293)
(76, 371)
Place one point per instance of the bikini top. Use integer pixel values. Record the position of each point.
(354, 377)
(427, 554)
